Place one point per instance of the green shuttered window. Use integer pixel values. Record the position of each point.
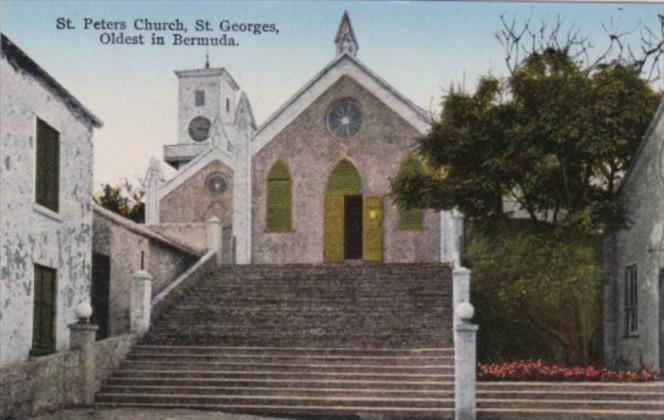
(344, 179)
(43, 324)
(47, 182)
(279, 199)
(410, 219)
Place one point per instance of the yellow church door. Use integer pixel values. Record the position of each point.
(353, 223)
(372, 232)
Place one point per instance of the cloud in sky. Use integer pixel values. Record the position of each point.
(419, 47)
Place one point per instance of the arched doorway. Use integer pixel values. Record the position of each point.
(352, 227)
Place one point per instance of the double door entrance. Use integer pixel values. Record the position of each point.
(353, 222)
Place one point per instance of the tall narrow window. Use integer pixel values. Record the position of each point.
(47, 174)
(199, 97)
(412, 218)
(43, 324)
(279, 199)
(631, 301)
(228, 105)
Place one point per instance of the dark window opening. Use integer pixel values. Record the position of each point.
(631, 301)
(43, 320)
(228, 105)
(100, 293)
(47, 174)
(199, 97)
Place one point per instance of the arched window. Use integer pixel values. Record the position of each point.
(344, 179)
(279, 199)
(410, 219)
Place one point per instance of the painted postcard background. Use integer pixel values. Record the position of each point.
(422, 48)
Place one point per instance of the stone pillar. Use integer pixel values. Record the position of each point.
(215, 234)
(82, 338)
(141, 306)
(465, 362)
(154, 178)
(460, 288)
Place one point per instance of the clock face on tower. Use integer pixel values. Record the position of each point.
(199, 128)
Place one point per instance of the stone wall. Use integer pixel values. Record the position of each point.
(109, 353)
(191, 202)
(192, 235)
(311, 153)
(31, 234)
(51, 382)
(641, 244)
(125, 242)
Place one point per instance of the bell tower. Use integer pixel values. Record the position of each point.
(207, 99)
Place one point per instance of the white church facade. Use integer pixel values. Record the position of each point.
(311, 183)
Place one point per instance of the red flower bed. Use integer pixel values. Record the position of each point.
(536, 370)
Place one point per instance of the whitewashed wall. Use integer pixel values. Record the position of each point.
(28, 235)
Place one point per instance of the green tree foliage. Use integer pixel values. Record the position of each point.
(553, 139)
(546, 146)
(536, 290)
(124, 199)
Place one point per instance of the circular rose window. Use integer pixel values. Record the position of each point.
(344, 118)
(217, 184)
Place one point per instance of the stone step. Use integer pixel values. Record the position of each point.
(581, 387)
(297, 352)
(284, 367)
(277, 374)
(284, 383)
(571, 395)
(421, 361)
(278, 400)
(245, 340)
(566, 414)
(394, 412)
(570, 404)
(258, 391)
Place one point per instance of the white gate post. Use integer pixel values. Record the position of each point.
(465, 360)
(215, 232)
(141, 302)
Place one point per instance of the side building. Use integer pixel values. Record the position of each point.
(633, 295)
(45, 207)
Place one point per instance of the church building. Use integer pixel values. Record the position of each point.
(311, 183)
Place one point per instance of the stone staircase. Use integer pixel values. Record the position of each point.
(572, 400)
(337, 339)
(349, 340)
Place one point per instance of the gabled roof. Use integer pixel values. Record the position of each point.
(343, 65)
(195, 165)
(16, 57)
(647, 138)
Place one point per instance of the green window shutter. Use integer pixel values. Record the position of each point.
(43, 328)
(410, 219)
(279, 199)
(47, 182)
(344, 179)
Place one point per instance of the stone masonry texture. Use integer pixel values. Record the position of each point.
(311, 152)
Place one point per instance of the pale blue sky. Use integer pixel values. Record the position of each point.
(419, 47)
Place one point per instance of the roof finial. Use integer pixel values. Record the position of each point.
(207, 57)
(345, 40)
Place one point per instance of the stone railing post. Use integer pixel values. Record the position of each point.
(460, 289)
(141, 306)
(215, 234)
(82, 337)
(465, 361)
